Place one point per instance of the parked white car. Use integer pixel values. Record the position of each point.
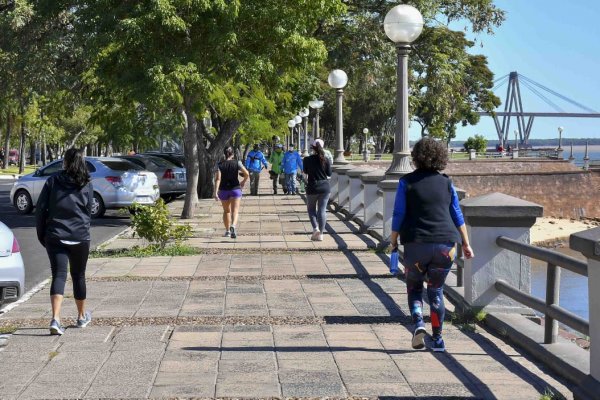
(117, 183)
(12, 270)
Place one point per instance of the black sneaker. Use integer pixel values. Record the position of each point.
(233, 234)
(438, 345)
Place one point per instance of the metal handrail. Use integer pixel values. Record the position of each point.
(552, 311)
(549, 256)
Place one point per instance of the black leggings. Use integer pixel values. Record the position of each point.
(75, 256)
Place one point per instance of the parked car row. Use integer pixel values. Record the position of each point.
(118, 182)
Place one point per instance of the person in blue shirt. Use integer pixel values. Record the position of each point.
(290, 164)
(428, 220)
(254, 164)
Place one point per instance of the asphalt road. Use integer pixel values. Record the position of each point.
(34, 255)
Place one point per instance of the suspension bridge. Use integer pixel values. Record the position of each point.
(513, 106)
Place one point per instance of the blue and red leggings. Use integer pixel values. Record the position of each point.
(429, 262)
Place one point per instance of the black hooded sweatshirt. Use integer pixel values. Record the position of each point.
(63, 210)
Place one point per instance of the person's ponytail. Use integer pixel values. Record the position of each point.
(75, 167)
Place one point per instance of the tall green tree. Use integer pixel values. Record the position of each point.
(230, 58)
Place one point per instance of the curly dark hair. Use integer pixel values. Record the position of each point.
(430, 154)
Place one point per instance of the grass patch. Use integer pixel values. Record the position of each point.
(13, 169)
(147, 251)
(549, 394)
(52, 354)
(467, 321)
(8, 329)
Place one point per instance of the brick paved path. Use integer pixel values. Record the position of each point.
(270, 314)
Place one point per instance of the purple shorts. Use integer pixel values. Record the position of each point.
(225, 195)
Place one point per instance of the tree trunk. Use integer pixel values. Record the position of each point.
(22, 142)
(9, 123)
(191, 162)
(212, 154)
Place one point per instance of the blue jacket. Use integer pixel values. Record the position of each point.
(253, 161)
(291, 162)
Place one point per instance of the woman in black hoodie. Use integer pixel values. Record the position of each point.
(63, 215)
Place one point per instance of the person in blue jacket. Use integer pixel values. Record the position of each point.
(429, 222)
(289, 165)
(254, 164)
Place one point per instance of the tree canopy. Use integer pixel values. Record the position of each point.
(111, 75)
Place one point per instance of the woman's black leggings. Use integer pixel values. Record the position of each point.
(62, 256)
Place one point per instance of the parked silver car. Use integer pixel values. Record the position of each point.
(171, 178)
(12, 270)
(117, 183)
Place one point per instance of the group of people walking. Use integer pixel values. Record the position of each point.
(316, 168)
(427, 221)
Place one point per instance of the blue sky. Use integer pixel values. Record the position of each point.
(555, 43)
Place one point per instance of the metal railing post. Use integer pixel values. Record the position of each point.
(552, 298)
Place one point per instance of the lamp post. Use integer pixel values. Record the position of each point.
(559, 151)
(304, 114)
(290, 137)
(366, 151)
(516, 149)
(338, 79)
(316, 105)
(403, 24)
(298, 121)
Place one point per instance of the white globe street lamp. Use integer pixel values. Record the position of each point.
(403, 24)
(338, 79)
(288, 139)
(366, 151)
(316, 105)
(298, 121)
(304, 114)
(560, 131)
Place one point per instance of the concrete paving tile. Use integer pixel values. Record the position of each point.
(247, 366)
(307, 364)
(373, 376)
(379, 389)
(264, 377)
(189, 378)
(313, 389)
(442, 389)
(205, 365)
(295, 376)
(183, 391)
(246, 389)
(43, 390)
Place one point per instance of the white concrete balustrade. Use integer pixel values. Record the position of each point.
(367, 197)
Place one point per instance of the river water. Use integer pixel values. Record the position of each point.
(573, 287)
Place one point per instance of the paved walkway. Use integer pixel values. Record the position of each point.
(291, 318)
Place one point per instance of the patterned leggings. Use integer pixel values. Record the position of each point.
(429, 262)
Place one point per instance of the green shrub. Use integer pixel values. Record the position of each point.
(478, 143)
(154, 223)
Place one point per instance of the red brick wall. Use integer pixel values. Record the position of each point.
(563, 189)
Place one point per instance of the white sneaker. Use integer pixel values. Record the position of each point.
(315, 235)
(227, 233)
(320, 237)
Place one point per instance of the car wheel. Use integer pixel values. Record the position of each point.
(98, 208)
(168, 197)
(22, 202)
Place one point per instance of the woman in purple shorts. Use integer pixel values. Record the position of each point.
(229, 189)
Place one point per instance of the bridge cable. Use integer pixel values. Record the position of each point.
(500, 84)
(541, 96)
(502, 77)
(573, 102)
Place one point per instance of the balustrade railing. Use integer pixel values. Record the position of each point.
(553, 313)
(498, 279)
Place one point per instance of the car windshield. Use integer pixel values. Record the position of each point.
(122, 165)
(161, 162)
